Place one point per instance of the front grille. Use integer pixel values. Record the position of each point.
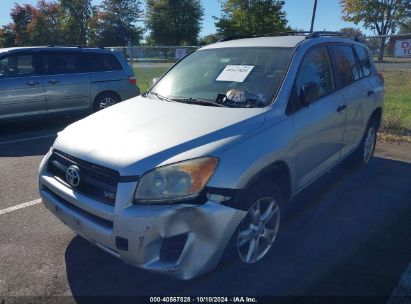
(96, 182)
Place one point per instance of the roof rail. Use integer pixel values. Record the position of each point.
(229, 38)
(328, 33)
(289, 33)
(309, 35)
(75, 46)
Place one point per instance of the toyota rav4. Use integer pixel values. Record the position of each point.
(214, 149)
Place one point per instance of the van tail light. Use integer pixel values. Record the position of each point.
(381, 76)
(132, 80)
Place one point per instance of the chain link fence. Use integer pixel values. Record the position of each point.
(155, 54)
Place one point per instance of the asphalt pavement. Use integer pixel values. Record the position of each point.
(349, 234)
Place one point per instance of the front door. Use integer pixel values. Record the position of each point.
(21, 89)
(318, 125)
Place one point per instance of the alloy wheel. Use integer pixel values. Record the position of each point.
(258, 230)
(106, 102)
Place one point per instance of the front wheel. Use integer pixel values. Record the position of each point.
(258, 230)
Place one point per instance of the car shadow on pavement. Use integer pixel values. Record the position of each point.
(31, 137)
(348, 234)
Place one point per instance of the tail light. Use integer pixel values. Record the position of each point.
(132, 80)
(381, 76)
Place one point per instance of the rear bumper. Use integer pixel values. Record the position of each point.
(143, 235)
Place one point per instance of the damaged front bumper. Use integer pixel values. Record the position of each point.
(181, 240)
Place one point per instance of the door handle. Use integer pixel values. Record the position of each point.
(53, 81)
(369, 93)
(341, 108)
(32, 83)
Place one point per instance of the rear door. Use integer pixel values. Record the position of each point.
(66, 82)
(356, 90)
(319, 127)
(21, 88)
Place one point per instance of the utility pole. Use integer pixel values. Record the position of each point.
(313, 18)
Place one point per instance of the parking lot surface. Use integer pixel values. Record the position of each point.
(349, 234)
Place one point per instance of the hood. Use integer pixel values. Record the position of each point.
(141, 133)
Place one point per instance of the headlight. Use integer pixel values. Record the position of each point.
(175, 182)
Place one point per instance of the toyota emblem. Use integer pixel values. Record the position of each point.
(73, 176)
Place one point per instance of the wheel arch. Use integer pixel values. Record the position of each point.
(279, 173)
(377, 116)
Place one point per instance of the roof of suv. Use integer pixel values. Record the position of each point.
(277, 41)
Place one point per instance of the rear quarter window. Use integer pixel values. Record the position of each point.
(102, 62)
(345, 63)
(364, 58)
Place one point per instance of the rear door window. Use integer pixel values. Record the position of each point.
(346, 66)
(61, 63)
(102, 62)
(364, 58)
(17, 66)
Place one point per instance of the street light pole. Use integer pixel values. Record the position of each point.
(313, 18)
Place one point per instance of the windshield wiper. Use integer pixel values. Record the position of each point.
(159, 96)
(198, 102)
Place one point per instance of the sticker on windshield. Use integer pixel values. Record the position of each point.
(236, 73)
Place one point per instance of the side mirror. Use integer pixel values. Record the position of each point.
(309, 93)
(155, 80)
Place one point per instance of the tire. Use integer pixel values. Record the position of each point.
(105, 100)
(365, 151)
(257, 231)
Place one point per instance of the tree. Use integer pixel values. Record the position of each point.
(352, 32)
(36, 25)
(114, 23)
(381, 16)
(251, 17)
(174, 22)
(22, 15)
(44, 27)
(7, 36)
(76, 15)
(405, 27)
(209, 39)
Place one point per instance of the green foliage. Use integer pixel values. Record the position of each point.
(114, 23)
(383, 17)
(251, 17)
(209, 39)
(352, 32)
(174, 22)
(22, 16)
(405, 27)
(35, 24)
(397, 106)
(75, 15)
(7, 36)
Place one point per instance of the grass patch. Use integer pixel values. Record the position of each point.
(145, 75)
(397, 101)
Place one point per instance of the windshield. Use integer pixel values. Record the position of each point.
(237, 77)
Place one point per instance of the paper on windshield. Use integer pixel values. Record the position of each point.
(236, 73)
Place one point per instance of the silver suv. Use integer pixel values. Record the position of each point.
(39, 81)
(214, 150)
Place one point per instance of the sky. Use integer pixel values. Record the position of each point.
(298, 14)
